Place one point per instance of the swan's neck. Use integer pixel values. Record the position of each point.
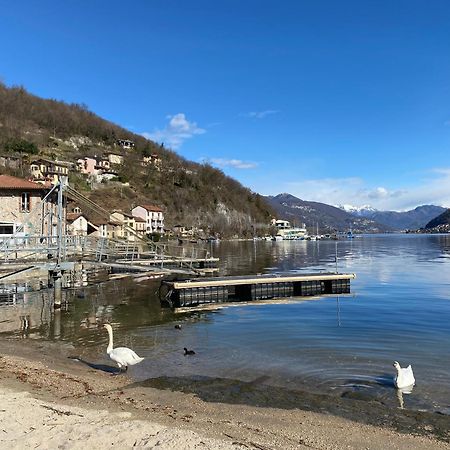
(110, 344)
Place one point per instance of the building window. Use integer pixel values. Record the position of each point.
(25, 202)
(6, 228)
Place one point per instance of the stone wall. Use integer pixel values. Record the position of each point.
(11, 211)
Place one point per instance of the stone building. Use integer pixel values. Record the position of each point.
(21, 208)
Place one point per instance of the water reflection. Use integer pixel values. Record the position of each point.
(338, 312)
(407, 390)
(334, 345)
(129, 304)
(24, 312)
(25, 325)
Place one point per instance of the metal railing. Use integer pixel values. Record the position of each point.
(44, 247)
(62, 246)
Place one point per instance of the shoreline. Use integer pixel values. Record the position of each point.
(41, 385)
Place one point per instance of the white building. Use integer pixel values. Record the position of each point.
(281, 224)
(125, 144)
(77, 224)
(153, 216)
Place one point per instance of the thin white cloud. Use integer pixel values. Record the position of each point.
(260, 114)
(176, 132)
(213, 124)
(234, 163)
(434, 189)
(381, 193)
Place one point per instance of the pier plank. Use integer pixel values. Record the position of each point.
(260, 279)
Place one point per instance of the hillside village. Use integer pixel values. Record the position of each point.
(135, 218)
(42, 140)
(19, 195)
(23, 214)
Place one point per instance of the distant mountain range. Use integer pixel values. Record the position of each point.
(407, 220)
(363, 219)
(327, 218)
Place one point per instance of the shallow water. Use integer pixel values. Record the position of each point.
(399, 309)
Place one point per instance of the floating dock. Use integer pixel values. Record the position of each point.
(177, 294)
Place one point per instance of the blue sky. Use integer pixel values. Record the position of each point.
(333, 101)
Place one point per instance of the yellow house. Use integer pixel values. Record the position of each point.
(115, 158)
(43, 170)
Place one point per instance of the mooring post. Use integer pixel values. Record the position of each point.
(57, 288)
(60, 227)
(336, 256)
(57, 324)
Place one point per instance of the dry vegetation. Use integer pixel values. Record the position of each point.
(191, 194)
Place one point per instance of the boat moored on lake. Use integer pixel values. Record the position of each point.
(288, 233)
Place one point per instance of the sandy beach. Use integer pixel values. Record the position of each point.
(49, 400)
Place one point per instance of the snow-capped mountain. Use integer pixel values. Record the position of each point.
(320, 215)
(362, 219)
(412, 220)
(363, 211)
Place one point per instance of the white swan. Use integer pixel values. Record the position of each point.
(123, 356)
(404, 378)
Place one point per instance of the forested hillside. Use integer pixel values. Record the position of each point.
(440, 223)
(190, 194)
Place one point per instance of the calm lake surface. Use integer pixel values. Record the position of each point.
(399, 309)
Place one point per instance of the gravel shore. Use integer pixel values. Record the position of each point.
(48, 400)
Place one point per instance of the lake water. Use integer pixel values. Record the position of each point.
(399, 309)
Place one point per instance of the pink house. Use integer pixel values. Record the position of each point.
(87, 165)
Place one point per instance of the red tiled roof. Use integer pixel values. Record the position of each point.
(139, 219)
(152, 208)
(71, 217)
(125, 214)
(99, 221)
(9, 182)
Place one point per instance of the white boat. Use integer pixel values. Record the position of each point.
(293, 234)
(287, 233)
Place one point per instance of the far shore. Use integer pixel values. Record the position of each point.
(51, 399)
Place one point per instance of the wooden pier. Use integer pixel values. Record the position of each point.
(177, 294)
